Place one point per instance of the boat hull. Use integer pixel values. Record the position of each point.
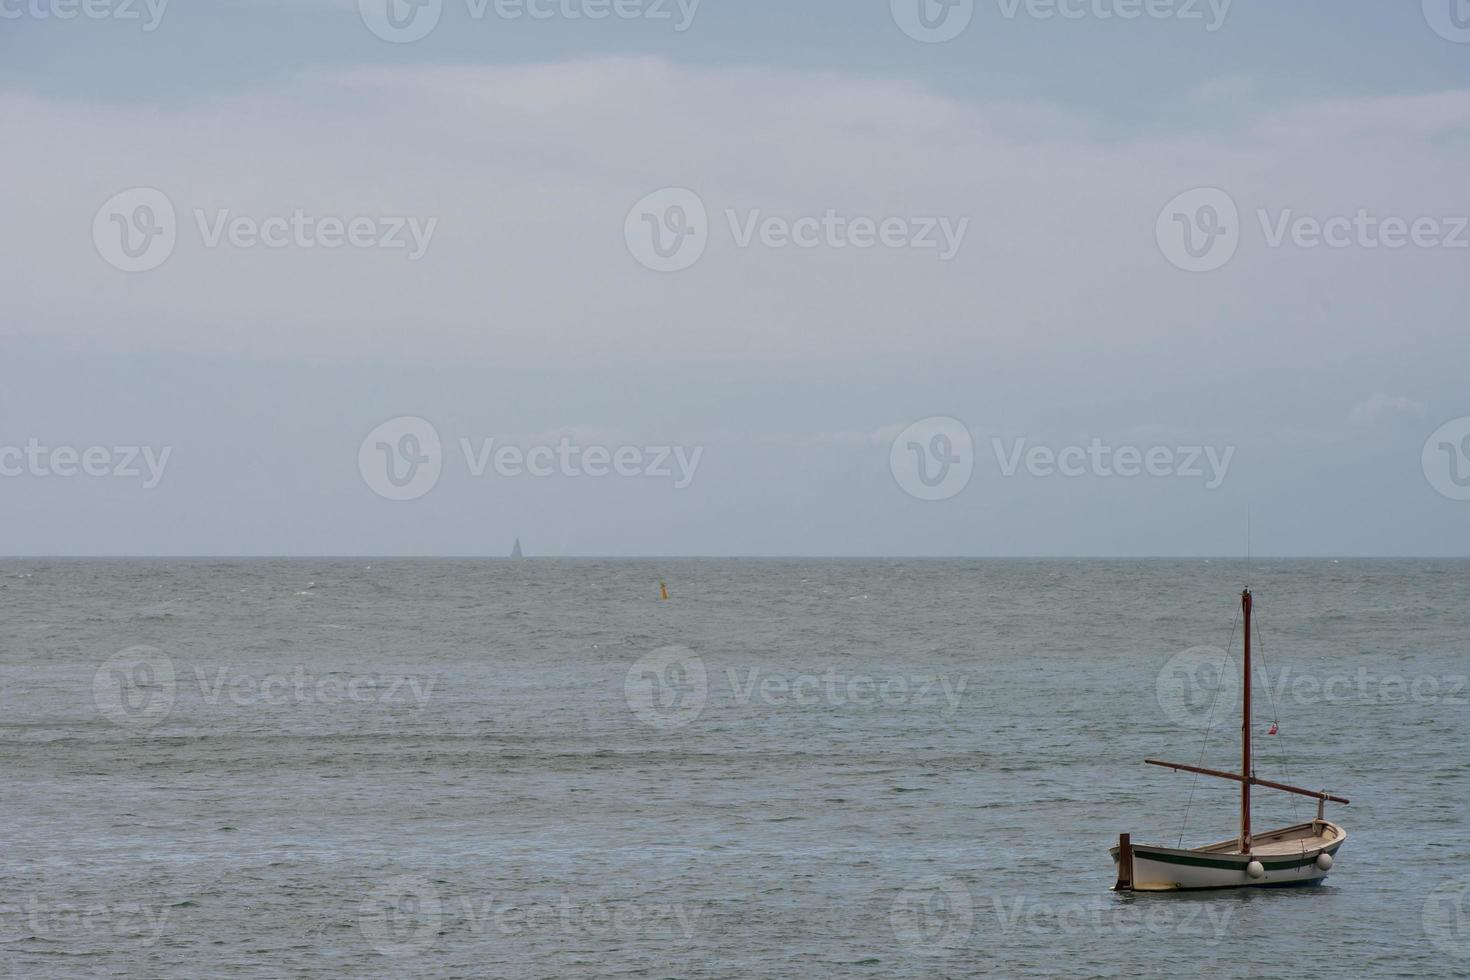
(1167, 869)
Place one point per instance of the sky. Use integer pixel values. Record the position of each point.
(658, 277)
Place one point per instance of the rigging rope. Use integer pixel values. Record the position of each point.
(1275, 720)
(1209, 722)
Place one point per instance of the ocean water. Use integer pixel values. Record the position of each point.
(791, 768)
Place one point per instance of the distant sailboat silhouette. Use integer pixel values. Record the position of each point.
(516, 551)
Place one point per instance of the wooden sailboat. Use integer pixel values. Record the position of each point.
(1298, 855)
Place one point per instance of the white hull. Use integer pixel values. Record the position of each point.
(1289, 856)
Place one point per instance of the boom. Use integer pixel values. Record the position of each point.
(1252, 781)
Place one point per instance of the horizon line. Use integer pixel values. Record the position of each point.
(723, 557)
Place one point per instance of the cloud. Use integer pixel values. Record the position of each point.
(1379, 407)
(840, 440)
(531, 170)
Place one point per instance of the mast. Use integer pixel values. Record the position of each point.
(1245, 732)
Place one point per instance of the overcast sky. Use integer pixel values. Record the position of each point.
(736, 277)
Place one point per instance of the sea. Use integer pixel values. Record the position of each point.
(788, 768)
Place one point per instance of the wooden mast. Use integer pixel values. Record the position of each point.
(1245, 733)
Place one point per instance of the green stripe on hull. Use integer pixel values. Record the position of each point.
(1233, 865)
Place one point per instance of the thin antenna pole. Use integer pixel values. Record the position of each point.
(1247, 546)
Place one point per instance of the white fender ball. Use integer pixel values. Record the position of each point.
(1255, 869)
(1324, 861)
